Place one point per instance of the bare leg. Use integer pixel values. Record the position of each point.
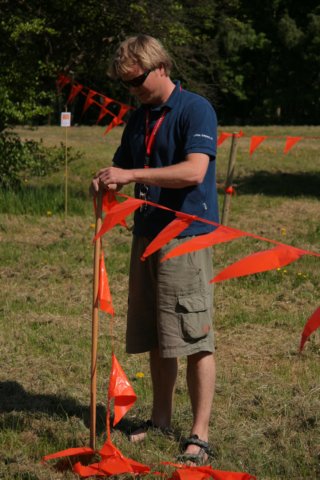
(201, 374)
(163, 375)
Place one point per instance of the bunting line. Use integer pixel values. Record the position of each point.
(256, 140)
(277, 257)
(77, 88)
(135, 203)
(117, 119)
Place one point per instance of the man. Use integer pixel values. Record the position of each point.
(168, 151)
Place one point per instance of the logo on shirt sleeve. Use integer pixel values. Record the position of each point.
(203, 136)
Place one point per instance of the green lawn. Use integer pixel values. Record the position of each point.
(265, 419)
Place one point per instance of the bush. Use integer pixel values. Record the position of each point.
(20, 160)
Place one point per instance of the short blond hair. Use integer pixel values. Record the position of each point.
(142, 50)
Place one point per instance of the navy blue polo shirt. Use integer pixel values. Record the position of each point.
(189, 126)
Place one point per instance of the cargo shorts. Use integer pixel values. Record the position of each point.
(170, 304)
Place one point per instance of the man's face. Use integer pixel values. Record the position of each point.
(149, 92)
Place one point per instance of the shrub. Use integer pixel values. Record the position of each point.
(20, 160)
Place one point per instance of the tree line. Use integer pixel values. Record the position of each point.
(257, 62)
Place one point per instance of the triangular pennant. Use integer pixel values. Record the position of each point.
(220, 235)
(171, 231)
(75, 90)
(222, 137)
(185, 472)
(312, 324)
(109, 201)
(104, 295)
(89, 101)
(290, 142)
(276, 257)
(120, 390)
(69, 452)
(117, 214)
(115, 122)
(239, 134)
(103, 112)
(118, 119)
(255, 142)
(62, 81)
(112, 462)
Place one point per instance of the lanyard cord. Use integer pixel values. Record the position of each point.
(151, 136)
(149, 142)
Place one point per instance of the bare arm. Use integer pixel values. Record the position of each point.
(184, 174)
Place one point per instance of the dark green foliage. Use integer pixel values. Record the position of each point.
(256, 62)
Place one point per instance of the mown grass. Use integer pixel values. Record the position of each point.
(266, 411)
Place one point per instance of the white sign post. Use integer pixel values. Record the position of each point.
(66, 122)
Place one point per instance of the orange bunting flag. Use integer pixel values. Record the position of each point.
(89, 101)
(118, 119)
(276, 257)
(222, 137)
(62, 81)
(171, 231)
(104, 295)
(112, 462)
(69, 452)
(290, 142)
(115, 122)
(117, 214)
(312, 324)
(220, 235)
(255, 142)
(120, 390)
(115, 463)
(230, 190)
(206, 472)
(103, 109)
(75, 90)
(109, 201)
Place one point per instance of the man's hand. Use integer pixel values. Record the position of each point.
(110, 178)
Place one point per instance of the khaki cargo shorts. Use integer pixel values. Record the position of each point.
(170, 304)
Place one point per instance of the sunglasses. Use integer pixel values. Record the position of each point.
(137, 81)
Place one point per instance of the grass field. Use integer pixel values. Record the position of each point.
(266, 415)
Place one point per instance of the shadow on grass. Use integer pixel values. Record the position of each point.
(14, 398)
(305, 184)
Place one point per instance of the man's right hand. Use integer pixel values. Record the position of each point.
(97, 184)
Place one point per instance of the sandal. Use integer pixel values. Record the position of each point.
(200, 458)
(147, 425)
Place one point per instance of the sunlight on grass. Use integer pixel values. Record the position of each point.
(265, 418)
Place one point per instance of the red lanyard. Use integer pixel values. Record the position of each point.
(151, 136)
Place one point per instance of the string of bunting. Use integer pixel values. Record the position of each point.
(102, 102)
(277, 257)
(256, 140)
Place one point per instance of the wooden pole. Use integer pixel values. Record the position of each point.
(229, 180)
(95, 323)
(66, 177)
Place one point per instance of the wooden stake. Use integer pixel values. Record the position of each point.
(95, 323)
(229, 180)
(66, 177)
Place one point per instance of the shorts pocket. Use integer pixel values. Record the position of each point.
(195, 315)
